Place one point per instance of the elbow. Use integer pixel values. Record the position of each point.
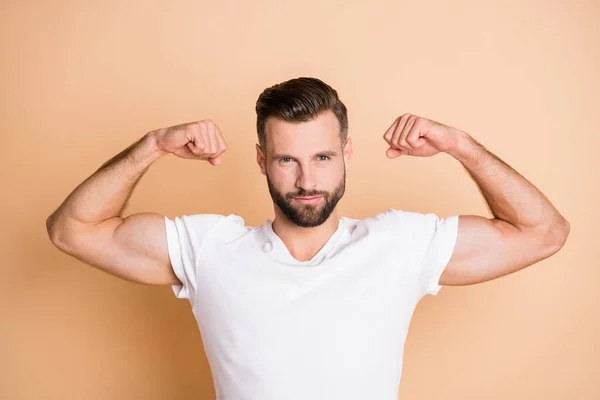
(56, 231)
(557, 235)
(51, 227)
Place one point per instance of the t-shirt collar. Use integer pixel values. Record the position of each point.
(273, 245)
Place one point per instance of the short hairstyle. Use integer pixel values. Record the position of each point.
(299, 100)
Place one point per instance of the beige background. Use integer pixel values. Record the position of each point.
(81, 80)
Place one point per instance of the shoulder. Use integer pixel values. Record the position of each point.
(408, 222)
(395, 218)
(408, 218)
(226, 227)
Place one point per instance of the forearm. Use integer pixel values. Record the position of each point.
(510, 197)
(105, 193)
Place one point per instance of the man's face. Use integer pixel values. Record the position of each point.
(305, 160)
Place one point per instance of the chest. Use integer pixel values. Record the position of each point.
(352, 296)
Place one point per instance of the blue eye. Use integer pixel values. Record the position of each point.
(286, 160)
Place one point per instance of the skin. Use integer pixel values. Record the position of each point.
(525, 227)
(302, 160)
(89, 225)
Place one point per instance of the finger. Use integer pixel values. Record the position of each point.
(413, 138)
(220, 141)
(205, 142)
(394, 153)
(387, 136)
(212, 139)
(405, 132)
(193, 134)
(397, 133)
(215, 161)
(185, 151)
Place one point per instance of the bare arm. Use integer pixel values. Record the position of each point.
(89, 224)
(526, 227)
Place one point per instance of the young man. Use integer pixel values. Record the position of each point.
(311, 305)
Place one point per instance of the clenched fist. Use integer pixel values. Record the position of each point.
(421, 137)
(201, 140)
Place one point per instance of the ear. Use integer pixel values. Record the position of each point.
(261, 159)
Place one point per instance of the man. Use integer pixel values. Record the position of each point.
(311, 305)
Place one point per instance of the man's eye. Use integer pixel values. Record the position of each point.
(288, 159)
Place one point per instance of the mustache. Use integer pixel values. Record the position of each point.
(305, 194)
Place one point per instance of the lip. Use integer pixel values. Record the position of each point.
(308, 200)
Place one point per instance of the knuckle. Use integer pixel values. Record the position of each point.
(189, 128)
(180, 127)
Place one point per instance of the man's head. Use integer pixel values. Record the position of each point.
(303, 148)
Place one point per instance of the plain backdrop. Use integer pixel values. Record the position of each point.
(81, 80)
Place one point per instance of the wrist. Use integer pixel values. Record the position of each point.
(147, 150)
(464, 146)
(151, 147)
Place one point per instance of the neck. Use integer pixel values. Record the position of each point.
(303, 243)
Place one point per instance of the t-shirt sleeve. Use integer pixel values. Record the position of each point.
(434, 238)
(186, 236)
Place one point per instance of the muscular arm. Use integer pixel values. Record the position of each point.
(89, 224)
(526, 227)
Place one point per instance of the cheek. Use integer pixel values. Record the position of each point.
(282, 178)
(282, 173)
(334, 174)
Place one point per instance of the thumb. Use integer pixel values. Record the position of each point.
(214, 161)
(393, 153)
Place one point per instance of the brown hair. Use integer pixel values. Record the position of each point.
(298, 100)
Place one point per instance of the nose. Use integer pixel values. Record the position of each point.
(306, 178)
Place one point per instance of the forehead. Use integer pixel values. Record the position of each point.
(309, 137)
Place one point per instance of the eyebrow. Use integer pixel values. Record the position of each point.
(329, 153)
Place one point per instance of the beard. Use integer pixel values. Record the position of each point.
(307, 215)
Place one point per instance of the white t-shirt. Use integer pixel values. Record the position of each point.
(333, 327)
